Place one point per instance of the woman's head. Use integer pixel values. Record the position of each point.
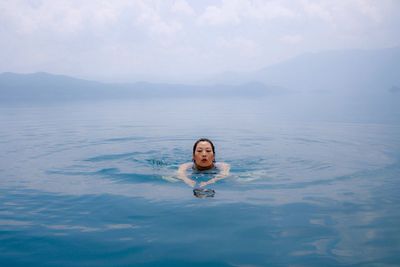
(203, 154)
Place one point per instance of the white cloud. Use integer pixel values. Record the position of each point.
(150, 18)
(270, 10)
(292, 39)
(238, 46)
(214, 15)
(73, 16)
(237, 11)
(341, 12)
(317, 9)
(58, 16)
(182, 36)
(370, 9)
(182, 7)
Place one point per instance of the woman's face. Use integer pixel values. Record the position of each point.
(203, 155)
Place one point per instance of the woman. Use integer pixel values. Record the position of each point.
(203, 162)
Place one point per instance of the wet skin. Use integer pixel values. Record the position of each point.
(204, 156)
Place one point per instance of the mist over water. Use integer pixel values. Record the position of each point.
(93, 183)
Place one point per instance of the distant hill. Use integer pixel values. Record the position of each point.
(359, 84)
(330, 71)
(351, 85)
(38, 87)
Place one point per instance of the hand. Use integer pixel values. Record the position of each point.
(203, 184)
(211, 181)
(190, 182)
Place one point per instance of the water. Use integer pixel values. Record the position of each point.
(92, 184)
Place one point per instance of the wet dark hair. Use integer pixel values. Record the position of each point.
(203, 140)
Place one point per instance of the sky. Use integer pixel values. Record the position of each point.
(182, 40)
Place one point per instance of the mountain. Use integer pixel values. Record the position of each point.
(329, 71)
(351, 85)
(39, 87)
(361, 84)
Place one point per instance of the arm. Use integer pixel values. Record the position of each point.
(183, 176)
(225, 167)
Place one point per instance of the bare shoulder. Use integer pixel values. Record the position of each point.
(185, 166)
(223, 165)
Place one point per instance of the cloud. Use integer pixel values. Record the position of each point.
(239, 46)
(292, 39)
(151, 19)
(181, 36)
(237, 11)
(182, 7)
(57, 16)
(371, 10)
(74, 16)
(342, 12)
(214, 15)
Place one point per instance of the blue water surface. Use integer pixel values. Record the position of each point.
(94, 184)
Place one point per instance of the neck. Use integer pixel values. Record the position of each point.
(200, 168)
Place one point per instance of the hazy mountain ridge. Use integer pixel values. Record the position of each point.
(330, 71)
(347, 72)
(332, 82)
(48, 87)
(363, 85)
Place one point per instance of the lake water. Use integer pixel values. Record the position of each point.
(92, 184)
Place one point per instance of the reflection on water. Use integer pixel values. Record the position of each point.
(94, 184)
